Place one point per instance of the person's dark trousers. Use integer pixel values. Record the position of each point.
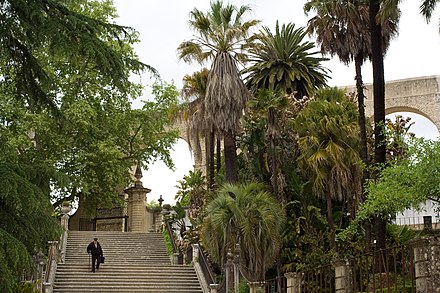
(95, 260)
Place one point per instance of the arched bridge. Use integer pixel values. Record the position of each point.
(420, 95)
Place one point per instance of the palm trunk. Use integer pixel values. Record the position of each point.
(361, 108)
(230, 158)
(211, 160)
(219, 156)
(358, 61)
(330, 221)
(379, 103)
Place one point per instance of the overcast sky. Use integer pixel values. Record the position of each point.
(163, 25)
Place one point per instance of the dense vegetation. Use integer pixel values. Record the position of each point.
(309, 164)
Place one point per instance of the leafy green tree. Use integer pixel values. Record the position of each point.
(66, 124)
(36, 33)
(221, 33)
(192, 192)
(247, 215)
(284, 61)
(329, 144)
(402, 185)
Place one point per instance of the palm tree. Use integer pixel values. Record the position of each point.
(427, 8)
(221, 35)
(249, 216)
(194, 91)
(328, 142)
(283, 60)
(342, 28)
(349, 30)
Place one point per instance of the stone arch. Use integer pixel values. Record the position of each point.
(420, 95)
(197, 148)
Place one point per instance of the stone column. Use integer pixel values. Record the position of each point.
(214, 288)
(136, 205)
(256, 287)
(293, 282)
(65, 209)
(427, 266)
(343, 277)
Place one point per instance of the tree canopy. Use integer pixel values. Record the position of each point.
(67, 127)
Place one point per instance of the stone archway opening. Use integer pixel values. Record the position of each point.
(161, 180)
(423, 125)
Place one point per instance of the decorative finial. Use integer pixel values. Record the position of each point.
(138, 173)
(160, 200)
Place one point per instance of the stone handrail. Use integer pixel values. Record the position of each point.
(51, 267)
(63, 246)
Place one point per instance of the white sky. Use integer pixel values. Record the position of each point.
(163, 25)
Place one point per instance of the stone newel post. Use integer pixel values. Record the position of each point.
(427, 266)
(343, 277)
(136, 205)
(65, 209)
(293, 282)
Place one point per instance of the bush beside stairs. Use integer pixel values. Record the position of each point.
(134, 262)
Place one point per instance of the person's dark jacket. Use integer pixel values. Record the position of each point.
(95, 250)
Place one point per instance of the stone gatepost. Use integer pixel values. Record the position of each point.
(65, 209)
(427, 265)
(214, 288)
(293, 282)
(256, 287)
(343, 277)
(138, 220)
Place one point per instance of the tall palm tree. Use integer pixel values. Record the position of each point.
(221, 34)
(250, 216)
(342, 28)
(329, 146)
(349, 30)
(284, 60)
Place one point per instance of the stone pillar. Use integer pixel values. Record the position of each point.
(196, 251)
(213, 288)
(65, 209)
(136, 205)
(256, 287)
(427, 266)
(236, 266)
(293, 282)
(228, 274)
(343, 277)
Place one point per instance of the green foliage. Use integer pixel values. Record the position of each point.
(168, 243)
(192, 192)
(329, 144)
(284, 60)
(248, 215)
(27, 288)
(243, 287)
(67, 128)
(25, 220)
(402, 185)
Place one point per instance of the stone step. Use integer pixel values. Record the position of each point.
(135, 262)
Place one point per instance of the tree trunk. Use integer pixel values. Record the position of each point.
(219, 156)
(379, 103)
(211, 160)
(230, 158)
(361, 108)
(358, 61)
(330, 221)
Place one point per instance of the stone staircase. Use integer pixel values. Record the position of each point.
(134, 262)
